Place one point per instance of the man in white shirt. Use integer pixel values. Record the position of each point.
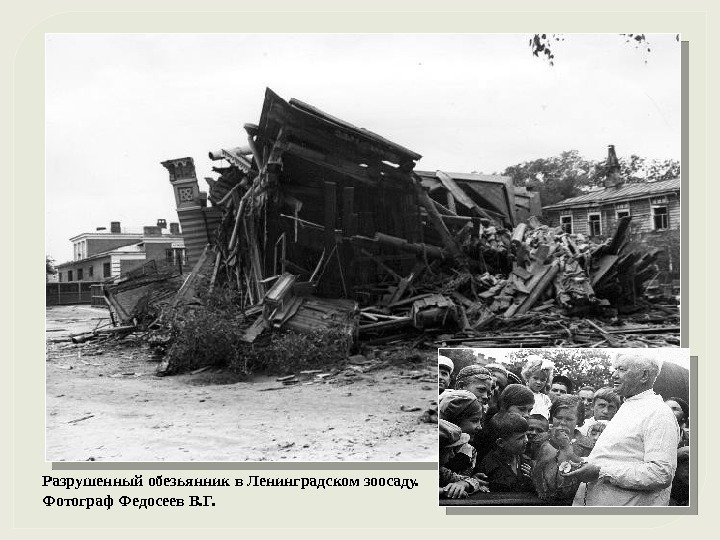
(634, 460)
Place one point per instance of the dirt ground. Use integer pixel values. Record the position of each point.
(105, 403)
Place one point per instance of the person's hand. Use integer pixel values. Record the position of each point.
(525, 469)
(456, 490)
(484, 483)
(559, 439)
(483, 479)
(587, 473)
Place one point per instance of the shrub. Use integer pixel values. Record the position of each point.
(289, 352)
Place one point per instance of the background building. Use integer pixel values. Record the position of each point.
(653, 206)
(103, 254)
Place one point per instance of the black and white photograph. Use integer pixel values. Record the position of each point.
(564, 427)
(256, 243)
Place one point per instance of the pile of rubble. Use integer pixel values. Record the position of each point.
(323, 224)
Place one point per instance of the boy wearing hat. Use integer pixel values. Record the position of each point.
(464, 410)
(445, 369)
(478, 381)
(561, 385)
(453, 485)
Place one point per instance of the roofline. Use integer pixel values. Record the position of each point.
(496, 178)
(107, 236)
(581, 204)
(108, 253)
(120, 236)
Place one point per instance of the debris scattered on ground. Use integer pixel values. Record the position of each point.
(325, 230)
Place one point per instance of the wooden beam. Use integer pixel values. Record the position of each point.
(330, 202)
(438, 224)
(451, 202)
(348, 226)
(535, 293)
(460, 196)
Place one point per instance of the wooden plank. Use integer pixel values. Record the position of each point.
(539, 288)
(254, 330)
(460, 195)
(349, 229)
(330, 214)
(451, 202)
(605, 263)
(437, 222)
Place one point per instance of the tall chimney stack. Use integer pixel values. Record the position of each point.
(115, 227)
(612, 173)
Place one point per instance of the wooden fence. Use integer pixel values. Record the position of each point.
(62, 294)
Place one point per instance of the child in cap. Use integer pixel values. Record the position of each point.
(464, 410)
(505, 466)
(477, 380)
(445, 369)
(453, 485)
(561, 385)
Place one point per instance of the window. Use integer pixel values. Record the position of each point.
(566, 224)
(176, 256)
(70, 276)
(594, 228)
(80, 274)
(106, 269)
(90, 271)
(59, 276)
(622, 213)
(660, 217)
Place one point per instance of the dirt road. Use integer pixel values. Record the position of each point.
(105, 403)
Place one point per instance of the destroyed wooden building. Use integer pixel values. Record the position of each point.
(316, 222)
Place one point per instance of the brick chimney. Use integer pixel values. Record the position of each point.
(152, 230)
(175, 228)
(162, 224)
(612, 166)
(115, 227)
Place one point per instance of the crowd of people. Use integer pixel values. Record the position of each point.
(536, 434)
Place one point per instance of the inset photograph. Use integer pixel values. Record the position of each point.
(564, 427)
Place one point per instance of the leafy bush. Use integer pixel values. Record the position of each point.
(207, 338)
(290, 352)
(211, 335)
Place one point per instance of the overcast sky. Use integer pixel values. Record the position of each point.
(118, 105)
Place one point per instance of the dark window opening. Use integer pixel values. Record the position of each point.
(566, 224)
(594, 225)
(660, 218)
(106, 269)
